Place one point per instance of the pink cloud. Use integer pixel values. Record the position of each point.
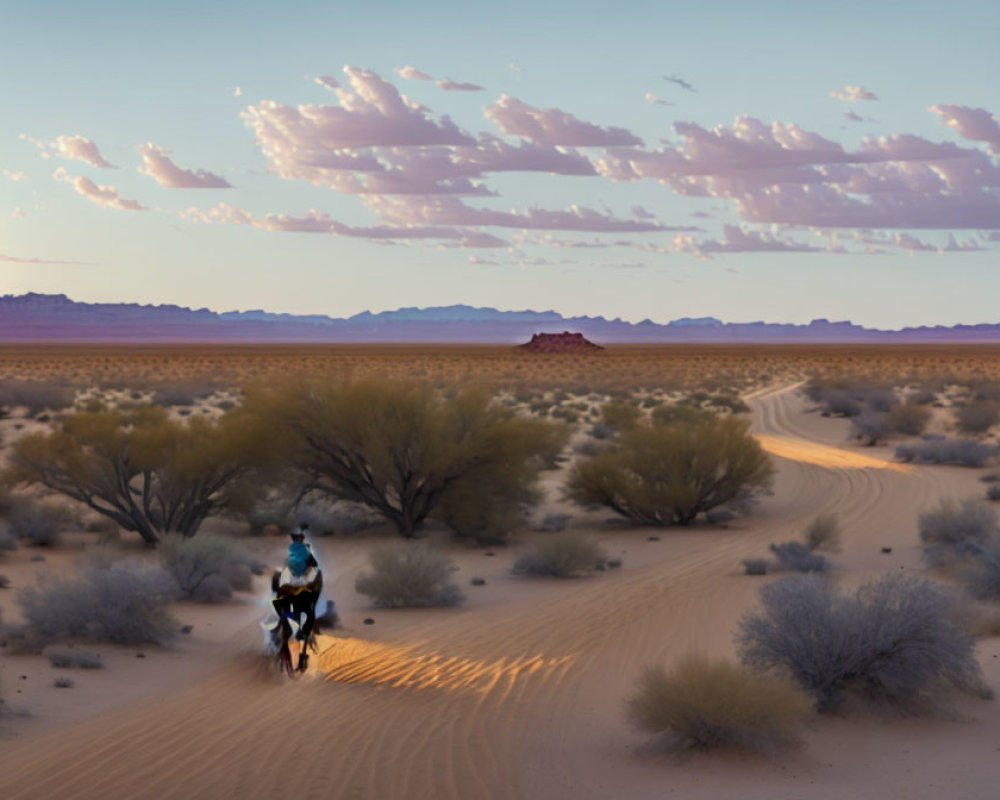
(553, 127)
(327, 82)
(450, 211)
(975, 124)
(449, 85)
(412, 74)
(371, 114)
(319, 222)
(166, 173)
(103, 196)
(738, 240)
(852, 94)
(782, 174)
(78, 148)
(14, 176)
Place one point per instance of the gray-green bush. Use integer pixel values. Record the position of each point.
(564, 554)
(953, 533)
(891, 641)
(123, 603)
(409, 574)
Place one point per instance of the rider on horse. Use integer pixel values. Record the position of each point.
(297, 587)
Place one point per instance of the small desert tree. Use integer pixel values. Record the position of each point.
(668, 474)
(408, 451)
(145, 471)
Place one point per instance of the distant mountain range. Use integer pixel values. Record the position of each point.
(55, 318)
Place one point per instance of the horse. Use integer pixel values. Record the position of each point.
(295, 600)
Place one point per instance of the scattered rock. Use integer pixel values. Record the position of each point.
(185, 629)
(489, 553)
(652, 538)
(140, 655)
(38, 558)
(369, 621)
(614, 563)
(478, 581)
(886, 549)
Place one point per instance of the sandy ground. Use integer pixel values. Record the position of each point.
(518, 693)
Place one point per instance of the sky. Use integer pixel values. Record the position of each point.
(778, 161)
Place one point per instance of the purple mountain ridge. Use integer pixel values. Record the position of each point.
(56, 318)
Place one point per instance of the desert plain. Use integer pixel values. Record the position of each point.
(519, 691)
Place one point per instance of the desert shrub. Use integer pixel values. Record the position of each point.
(406, 450)
(39, 524)
(841, 403)
(409, 574)
(978, 416)
(870, 425)
(951, 533)
(731, 402)
(108, 459)
(937, 450)
(891, 641)
(823, 533)
(705, 703)
(65, 658)
(37, 396)
(123, 603)
(206, 567)
(600, 431)
(620, 416)
(797, 557)
(668, 474)
(678, 412)
(756, 566)
(562, 555)
(993, 493)
(908, 418)
(982, 577)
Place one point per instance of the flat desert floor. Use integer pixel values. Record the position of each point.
(518, 693)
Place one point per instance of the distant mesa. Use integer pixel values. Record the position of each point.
(564, 342)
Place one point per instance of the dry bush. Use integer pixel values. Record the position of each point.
(409, 451)
(871, 425)
(938, 450)
(797, 557)
(708, 703)
(146, 472)
(951, 534)
(756, 566)
(37, 396)
(562, 555)
(668, 474)
(619, 415)
(891, 641)
(909, 418)
(38, 524)
(123, 603)
(409, 574)
(982, 577)
(823, 533)
(66, 658)
(206, 568)
(978, 416)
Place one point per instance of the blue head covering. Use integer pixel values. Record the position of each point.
(298, 558)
